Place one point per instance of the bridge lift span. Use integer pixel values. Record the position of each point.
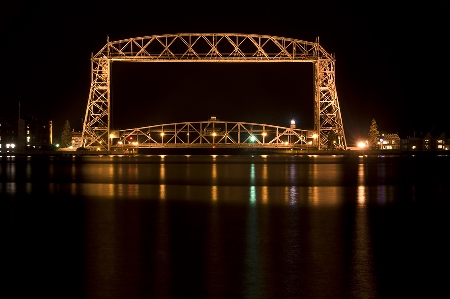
(214, 47)
(213, 134)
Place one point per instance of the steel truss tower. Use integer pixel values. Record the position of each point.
(214, 47)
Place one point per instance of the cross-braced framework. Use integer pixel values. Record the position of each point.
(214, 47)
(213, 133)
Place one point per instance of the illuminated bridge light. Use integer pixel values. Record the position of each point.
(96, 130)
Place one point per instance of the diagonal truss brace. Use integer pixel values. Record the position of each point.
(212, 133)
(215, 47)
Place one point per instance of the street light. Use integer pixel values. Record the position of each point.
(111, 136)
(314, 141)
(362, 145)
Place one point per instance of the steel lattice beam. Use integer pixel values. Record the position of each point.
(213, 133)
(220, 47)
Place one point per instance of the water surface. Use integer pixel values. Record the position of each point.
(225, 226)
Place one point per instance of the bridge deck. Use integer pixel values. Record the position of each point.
(213, 134)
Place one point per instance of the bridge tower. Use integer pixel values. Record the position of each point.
(328, 125)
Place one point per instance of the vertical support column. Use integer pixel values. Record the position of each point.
(96, 126)
(327, 118)
(317, 81)
(108, 96)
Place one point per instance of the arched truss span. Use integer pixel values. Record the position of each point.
(213, 133)
(214, 47)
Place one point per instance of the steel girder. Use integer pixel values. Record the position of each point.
(214, 47)
(212, 133)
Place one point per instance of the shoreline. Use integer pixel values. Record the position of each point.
(167, 151)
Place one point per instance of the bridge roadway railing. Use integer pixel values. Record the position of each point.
(212, 133)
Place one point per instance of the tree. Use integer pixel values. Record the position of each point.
(373, 135)
(66, 136)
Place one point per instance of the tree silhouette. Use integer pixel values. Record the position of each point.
(66, 136)
(373, 135)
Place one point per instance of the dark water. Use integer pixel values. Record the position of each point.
(225, 227)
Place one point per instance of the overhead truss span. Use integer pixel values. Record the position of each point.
(213, 133)
(214, 47)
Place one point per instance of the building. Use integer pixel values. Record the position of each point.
(76, 140)
(438, 143)
(9, 135)
(38, 133)
(428, 142)
(412, 144)
(28, 133)
(390, 141)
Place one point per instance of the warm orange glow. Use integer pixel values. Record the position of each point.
(362, 144)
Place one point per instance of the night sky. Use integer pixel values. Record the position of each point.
(391, 64)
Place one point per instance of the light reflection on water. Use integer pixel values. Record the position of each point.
(362, 269)
(277, 181)
(261, 227)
